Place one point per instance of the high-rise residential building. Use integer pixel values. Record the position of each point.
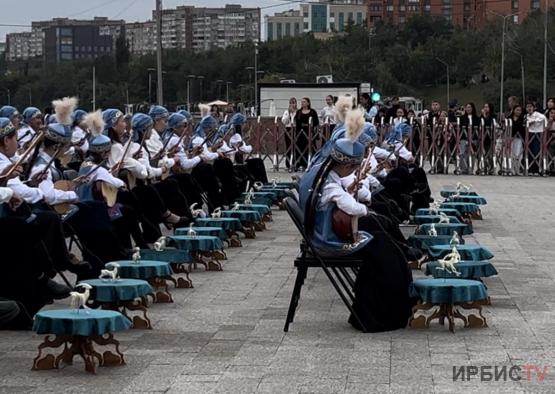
(323, 19)
(196, 28)
(465, 13)
(65, 39)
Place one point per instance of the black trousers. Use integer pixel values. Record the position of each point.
(223, 168)
(257, 170)
(205, 176)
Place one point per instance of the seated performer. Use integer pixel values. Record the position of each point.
(32, 122)
(381, 288)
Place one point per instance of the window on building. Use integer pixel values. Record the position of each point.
(341, 22)
(288, 29)
(402, 19)
(270, 31)
(297, 29)
(515, 4)
(359, 18)
(332, 26)
(389, 8)
(278, 30)
(305, 25)
(66, 56)
(305, 14)
(535, 5)
(350, 17)
(332, 14)
(402, 8)
(65, 31)
(515, 18)
(66, 48)
(319, 18)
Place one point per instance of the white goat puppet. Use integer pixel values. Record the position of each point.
(111, 273)
(455, 241)
(448, 262)
(461, 187)
(432, 232)
(160, 243)
(217, 213)
(248, 198)
(274, 182)
(191, 232)
(197, 212)
(235, 206)
(136, 257)
(78, 300)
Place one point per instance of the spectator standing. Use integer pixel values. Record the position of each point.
(305, 119)
(518, 131)
(328, 114)
(535, 122)
(288, 120)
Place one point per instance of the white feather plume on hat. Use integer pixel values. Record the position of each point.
(354, 123)
(94, 122)
(343, 104)
(64, 109)
(204, 110)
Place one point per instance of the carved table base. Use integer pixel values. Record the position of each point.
(267, 217)
(140, 320)
(209, 259)
(449, 312)
(183, 281)
(233, 240)
(162, 291)
(81, 346)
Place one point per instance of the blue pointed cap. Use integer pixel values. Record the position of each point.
(78, 116)
(7, 111)
(29, 113)
(186, 114)
(58, 132)
(157, 112)
(6, 127)
(111, 117)
(346, 151)
(100, 144)
(176, 120)
(238, 119)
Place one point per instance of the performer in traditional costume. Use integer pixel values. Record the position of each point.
(381, 289)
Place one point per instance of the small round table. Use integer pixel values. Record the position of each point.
(179, 260)
(446, 228)
(424, 241)
(468, 252)
(212, 231)
(423, 219)
(230, 225)
(157, 273)
(265, 198)
(77, 330)
(466, 209)
(447, 211)
(469, 269)
(446, 299)
(250, 219)
(479, 200)
(264, 210)
(205, 249)
(449, 193)
(122, 295)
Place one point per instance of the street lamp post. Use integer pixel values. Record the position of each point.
(545, 55)
(159, 84)
(501, 98)
(249, 69)
(447, 67)
(227, 91)
(200, 78)
(521, 74)
(255, 78)
(9, 96)
(219, 82)
(189, 91)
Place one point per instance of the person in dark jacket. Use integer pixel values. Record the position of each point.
(307, 122)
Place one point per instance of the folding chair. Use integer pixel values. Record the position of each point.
(334, 268)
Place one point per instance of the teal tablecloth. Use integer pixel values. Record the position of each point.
(449, 193)
(446, 228)
(473, 199)
(288, 185)
(280, 192)
(468, 269)
(143, 269)
(423, 219)
(468, 252)
(212, 231)
(228, 224)
(200, 243)
(265, 198)
(120, 290)
(85, 322)
(462, 207)
(447, 211)
(448, 291)
(260, 208)
(243, 215)
(425, 241)
(169, 255)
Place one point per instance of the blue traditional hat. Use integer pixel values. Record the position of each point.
(79, 116)
(186, 114)
(7, 111)
(238, 119)
(111, 117)
(140, 123)
(176, 120)
(158, 112)
(29, 113)
(100, 144)
(346, 151)
(6, 127)
(399, 133)
(58, 132)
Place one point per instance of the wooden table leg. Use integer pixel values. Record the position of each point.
(162, 292)
(109, 358)
(49, 360)
(139, 322)
(182, 271)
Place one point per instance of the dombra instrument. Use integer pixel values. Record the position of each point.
(23, 157)
(344, 225)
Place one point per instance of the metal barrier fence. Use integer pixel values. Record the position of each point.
(438, 148)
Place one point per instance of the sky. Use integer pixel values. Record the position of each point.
(23, 12)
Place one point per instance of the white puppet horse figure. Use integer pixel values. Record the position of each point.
(443, 218)
(111, 273)
(455, 240)
(136, 257)
(191, 232)
(160, 244)
(448, 262)
(235, 206)
(197, 212)
(248, 198)
(217, 213)
(78, 300)
(432, 232)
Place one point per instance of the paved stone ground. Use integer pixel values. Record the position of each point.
(226, 334)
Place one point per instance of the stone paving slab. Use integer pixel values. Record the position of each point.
(226, 335)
